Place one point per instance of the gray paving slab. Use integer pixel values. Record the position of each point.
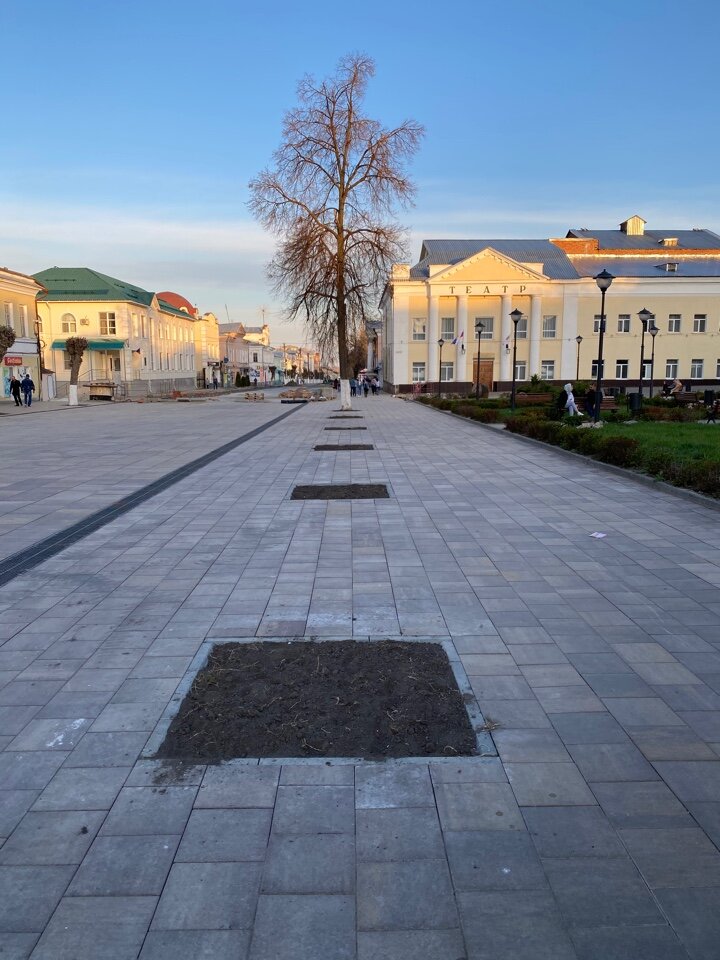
(596, 661)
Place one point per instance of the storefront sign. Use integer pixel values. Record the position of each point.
(13, 361)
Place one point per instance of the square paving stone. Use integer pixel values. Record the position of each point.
(76, 788)
(107, 750)
(596, 892)
(238, 785)
(314, 810)
(589, 728)
(124, 867)
(611, 761)
(674, 858)
(708, 816)
(469, 770)
(209, 896)
(492, 860)
(411, 945)
(324, 863)
(513, 925)
(569, 699)
(96, 928)
(165, 773)
(411, 895)
(17, 946)
(29, 895)
(477, 806)
(620, 685)
(670, 743)
(641, 805)
(50, 735)
(538, 745)
(128, 717)
(218, 835)
(196, 945)
(304, 928)
(548, 784)
(513, 714)
(57, 838)
(312, 775)
(14, 804)
(634, 712)
(628, 943)
(691, 780)
(28, 771)
(13, 719)
(401, 833)
(694, 914)
(695, 696)
(393, 785)
(152, 811)
(563, 832)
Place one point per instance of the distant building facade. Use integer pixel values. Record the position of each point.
(18, 293)
(459, 284)
(138, 343)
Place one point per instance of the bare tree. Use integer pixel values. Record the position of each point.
(337, 176)
(75, 348)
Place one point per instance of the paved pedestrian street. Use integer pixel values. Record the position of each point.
(591, 834)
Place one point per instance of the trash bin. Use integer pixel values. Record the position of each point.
(634, 402)
(709, 398)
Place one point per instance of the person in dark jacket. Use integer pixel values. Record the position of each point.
(27, 387)
(15, 391)
(590, 401)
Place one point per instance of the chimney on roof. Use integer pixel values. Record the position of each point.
(633, 226)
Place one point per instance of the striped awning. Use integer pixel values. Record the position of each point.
(94, 343)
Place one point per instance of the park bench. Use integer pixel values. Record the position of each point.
(254, 396)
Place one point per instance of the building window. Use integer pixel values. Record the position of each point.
(107, 324)
(446, 371)
(418, 328)
(549, 327)
(418, 373)
(647, 369)
(521, 370)
(142, 326)
(447, 328)
(674, 320)
(135, 325)
(671, 369)
(255, 358)
(68, 323)
(596, 323)
(8, 315)
(547, 370)
(488, 327)
(67, 362)
(696, 369)
(624, 323)
(522, 328)
(699, 323)
(717, 370)
(621, 369)
(594, 369)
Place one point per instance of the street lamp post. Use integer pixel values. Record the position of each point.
(603, 280)
(578, 341)
(516, 317)
(479, 326)
(654, 331)
(645, 318)
(441, 344)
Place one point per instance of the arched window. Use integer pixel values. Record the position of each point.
(69, 323)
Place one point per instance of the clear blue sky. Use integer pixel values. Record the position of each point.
(130, 130)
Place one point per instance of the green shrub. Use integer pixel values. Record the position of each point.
(620, 451)
(589, 442)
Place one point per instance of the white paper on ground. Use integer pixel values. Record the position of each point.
(598, 536)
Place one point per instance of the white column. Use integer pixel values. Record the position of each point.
(569, 327)
(534, 334)
(432, 371)
(370, 352)
(401, 335)
(506, 338)
(462, 327)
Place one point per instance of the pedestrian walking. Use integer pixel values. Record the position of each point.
(27, 387)
(570, 404)
(373, 387)
(353, 386)
(15, 391)
(590, 396)
(366, 387)
(215, 381)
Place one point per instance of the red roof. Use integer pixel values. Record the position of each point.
(177, 301)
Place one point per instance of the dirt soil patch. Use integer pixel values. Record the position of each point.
(344, 446)
(340, 491)
(346, 428)
(336, 699)
(345, 417)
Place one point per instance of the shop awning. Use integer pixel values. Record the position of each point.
(94, 343)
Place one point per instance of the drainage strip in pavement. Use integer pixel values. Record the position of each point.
(18, 563)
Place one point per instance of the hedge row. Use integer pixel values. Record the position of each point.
(700, 475)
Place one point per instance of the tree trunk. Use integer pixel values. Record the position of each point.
(72, 395)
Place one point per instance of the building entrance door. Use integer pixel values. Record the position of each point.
(486, 372)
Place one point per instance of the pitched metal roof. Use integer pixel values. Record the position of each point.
(619, 240)
(82, 283)
(648, 266)
(556, 263)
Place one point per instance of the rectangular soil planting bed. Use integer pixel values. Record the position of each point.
(334, 699)
(340, 491)
(344, 446)
(346, 428)
(347, 417)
